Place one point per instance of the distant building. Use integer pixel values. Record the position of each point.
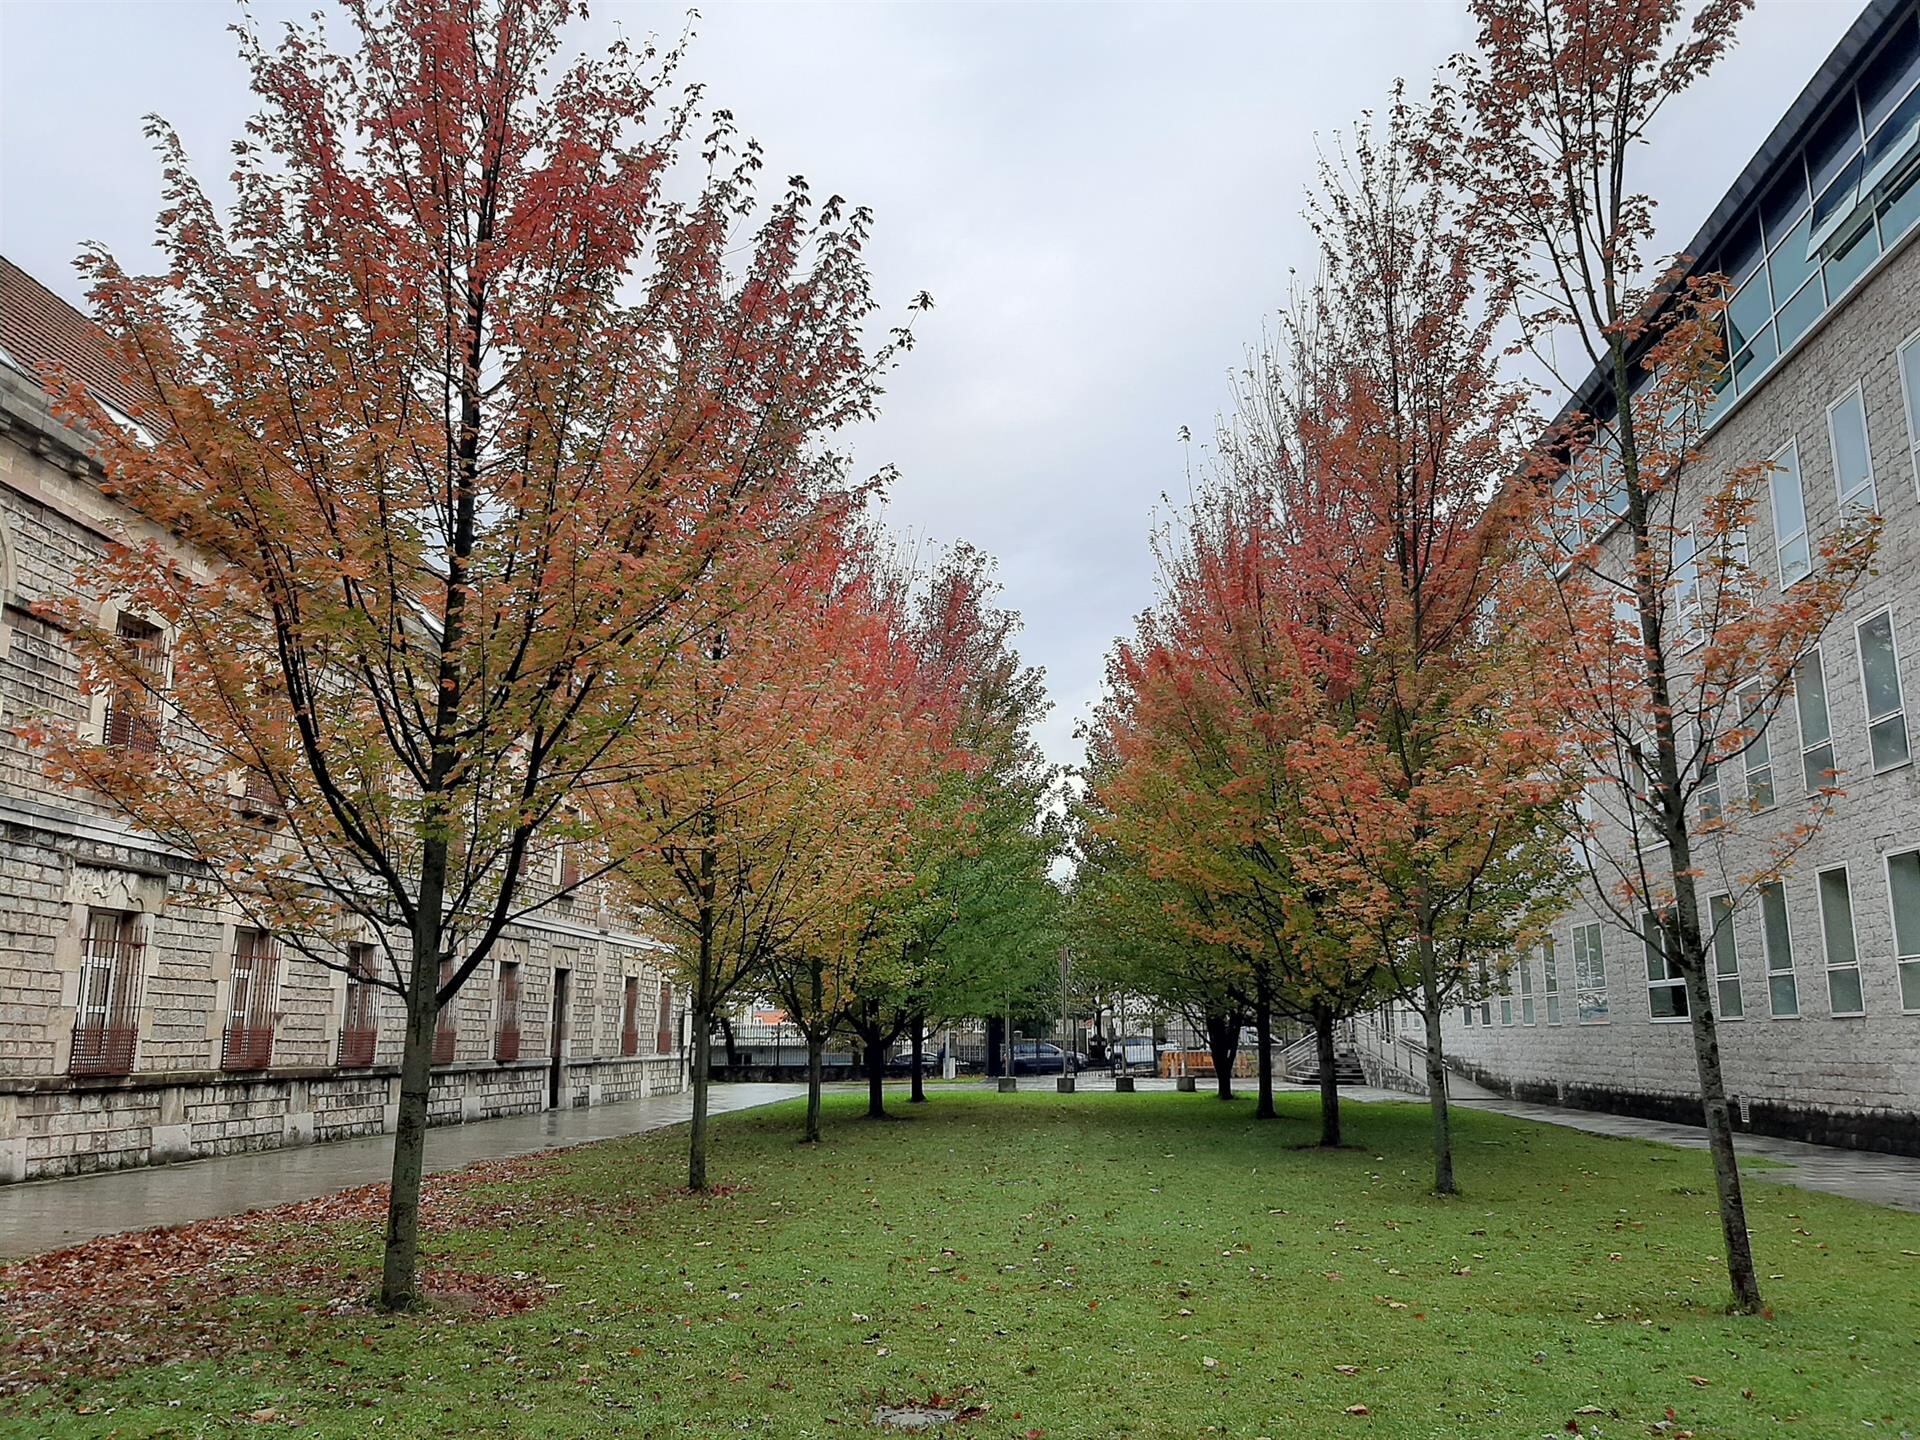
(1818, 977)
(138, 1027)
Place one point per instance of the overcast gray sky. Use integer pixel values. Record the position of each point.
(1104, 201)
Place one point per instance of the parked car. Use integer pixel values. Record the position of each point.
(1042, 1057)
(901, 1062)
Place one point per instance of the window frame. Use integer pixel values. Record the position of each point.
(1853, 937)
(1866, 699)
(1727, 927)
(1816, 657)
(1901, 959)
(1803, 534)
(1529, 1015)
(1583, 985)
(1909, 395)
(1653, 943)
(1550, 980)
(1856, 393)
(1760, 742)
(1766, 950)
(1689, 606)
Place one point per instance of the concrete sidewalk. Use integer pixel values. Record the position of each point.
(1891, 1180)
(40, 1215)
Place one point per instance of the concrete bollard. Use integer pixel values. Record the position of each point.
(1123, 1084)
(1008, 1085)
(1184, 1084)
(1064, 1084)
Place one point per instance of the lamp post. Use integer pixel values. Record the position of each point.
(1066, 1031)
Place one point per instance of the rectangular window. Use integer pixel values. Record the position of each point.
(1550, 978)
(1852, 460)
(359, 1028)
(1468, 1014)
(1776, 938)
(506, 1012)
(1903, 895)
(251, 995)
(1506, 994)
(1758, 756)
(1880, 677)
(567, 864)
(1711, 807)
(1589, 975)
(1527, 1015)
(664, 1037)
(1790, 542)
(446, 1024)
(1910, 392)
(133, 708)
(1666, 987)
(106, 1023)
(1486, 998)
(1816, 725)
(1726, 957)
(1686, 589)
(1844, 995)
(630, 1017)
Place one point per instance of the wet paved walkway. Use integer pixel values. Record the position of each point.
(40, 1215)
(1892, 1180)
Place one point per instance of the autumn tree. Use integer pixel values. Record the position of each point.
(776, 773)
(1424, 758)
(447, 416)
(1673, 651)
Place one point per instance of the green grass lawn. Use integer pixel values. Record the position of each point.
(1152, 1265)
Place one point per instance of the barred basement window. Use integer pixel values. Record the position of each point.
(1589, 975)
(1816, 724)
(251, 995)
(1726, 957)
(1776, 939)
(1666, 986)
(630, 1017)
(1903, 895)
(1844, 995)
(506, 1011)
(1550, 976)
(106, 1025)
(359, 1027)
(132, 710)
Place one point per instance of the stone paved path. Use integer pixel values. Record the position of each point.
(1892, 1180)
(49, 1214)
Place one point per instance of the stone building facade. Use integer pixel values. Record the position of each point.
(139, 1024)
(1818, 978)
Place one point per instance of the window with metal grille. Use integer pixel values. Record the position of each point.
(106, 1024)
(132, 713)
(446, 1026)
(360, 1028)
(251, 996)
(663, 1040)
(506, 1012)
(630, 1017)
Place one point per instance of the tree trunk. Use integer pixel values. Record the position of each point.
(816, 1065)
(1223, 1039)
(1329, 1080)
(919, 1049)
(1436, 1073)
(1263, 1031)
(697, 1138)
(876, 1078)
(398, 1290)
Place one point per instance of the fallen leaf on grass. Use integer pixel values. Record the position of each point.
(1358, 1410)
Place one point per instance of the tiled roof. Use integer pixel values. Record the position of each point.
(39, 330)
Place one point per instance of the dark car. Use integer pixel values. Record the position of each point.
(1042, 1057)
(902, 1063)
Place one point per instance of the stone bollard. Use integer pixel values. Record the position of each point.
(1008, 1085)
(1123, 1084)
(1185, 1084)
(1064, 1084)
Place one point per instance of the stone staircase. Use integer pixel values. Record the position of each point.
(1300, 1062)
